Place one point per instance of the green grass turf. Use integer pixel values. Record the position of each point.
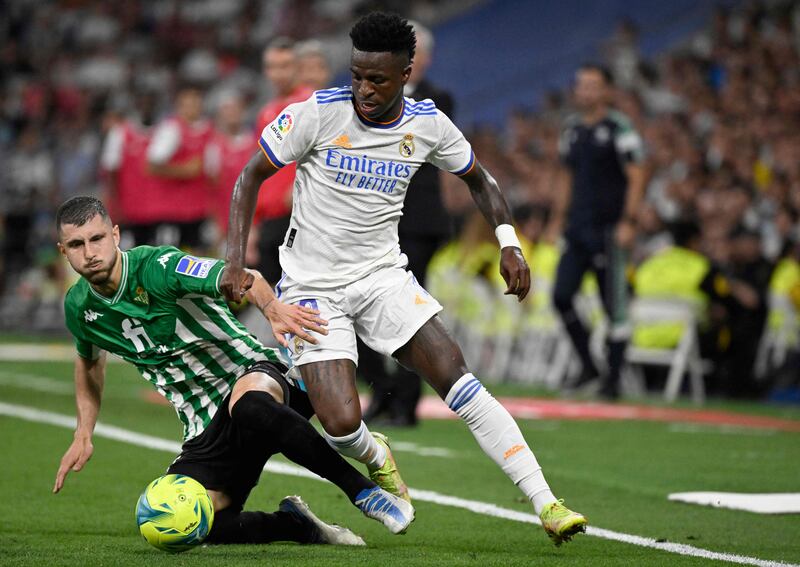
(617, 473)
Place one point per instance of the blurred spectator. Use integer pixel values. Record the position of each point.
(313, 66)
(28, 192)
(677, 272)
(598, 210)
(274, 206)
(231, 147)
(750, 275)
(175, 157)
(719, 114)
(652, 237)
(129, 184)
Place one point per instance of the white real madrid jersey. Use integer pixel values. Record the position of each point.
(351, 180)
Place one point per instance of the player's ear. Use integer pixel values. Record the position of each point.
(61, 249)
(406, 73)
(115, 232)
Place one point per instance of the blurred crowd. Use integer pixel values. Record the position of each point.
(87, 85)
(720, 119)
(180, 88)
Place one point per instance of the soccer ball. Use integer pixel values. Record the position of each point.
(174, 513)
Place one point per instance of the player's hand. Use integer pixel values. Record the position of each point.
(235, 283)
(515, 272)
(294, 319)
(78, 454)
(625, 234)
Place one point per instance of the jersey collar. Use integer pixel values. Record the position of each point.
(383, 125)
(123, 281)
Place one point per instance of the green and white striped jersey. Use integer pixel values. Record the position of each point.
(169, 320)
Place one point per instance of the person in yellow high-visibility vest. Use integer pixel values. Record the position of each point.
(678, 272)
(785, 282)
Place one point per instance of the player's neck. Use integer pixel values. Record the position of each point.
(111, 285)
(389, 116)
(594, 115)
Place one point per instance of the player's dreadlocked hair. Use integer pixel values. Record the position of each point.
(379, 31)
(80, 210)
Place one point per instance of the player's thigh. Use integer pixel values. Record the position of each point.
(574, 262)
(433, 354)
(331, 388)
(328, 367)
(339, 343)
(389, 307)
(219, 499)
(257, 381)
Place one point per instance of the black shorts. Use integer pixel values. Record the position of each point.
(225, 459)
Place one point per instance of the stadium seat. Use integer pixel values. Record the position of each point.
(684, 358)
(781, 335)
(544, 352)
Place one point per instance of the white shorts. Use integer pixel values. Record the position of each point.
(385, 309)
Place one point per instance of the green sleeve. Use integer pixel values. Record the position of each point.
(178, 273)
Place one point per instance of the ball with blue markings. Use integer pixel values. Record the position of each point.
(174, 513)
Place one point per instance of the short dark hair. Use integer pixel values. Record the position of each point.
(379, 32)
(604, 71)
(80, 210)
(281, 42)
(743, 231)
(683, 232)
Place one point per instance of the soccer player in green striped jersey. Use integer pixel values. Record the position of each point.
(161, 310)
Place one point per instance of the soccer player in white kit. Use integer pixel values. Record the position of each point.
(356, 149)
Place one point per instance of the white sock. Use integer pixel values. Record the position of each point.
(499, 436)
(361, 446)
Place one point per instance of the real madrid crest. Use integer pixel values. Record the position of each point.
(298, 345)
(407, 146)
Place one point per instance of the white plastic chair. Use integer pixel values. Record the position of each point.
(778, 340)
(685, 357)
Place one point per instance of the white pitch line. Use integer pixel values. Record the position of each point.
(405, 446)
(721, 429)
(484, 508)
(56, 352)
(37, 383)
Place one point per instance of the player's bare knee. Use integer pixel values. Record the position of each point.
(219, 499)
(255, 382)
(341, 424)
(444, 382)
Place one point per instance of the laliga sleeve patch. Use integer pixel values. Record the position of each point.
(195, 267)
(279, 128)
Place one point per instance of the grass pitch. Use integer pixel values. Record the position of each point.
(617, 473)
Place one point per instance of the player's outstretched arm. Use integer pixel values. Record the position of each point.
(285, 319)
(89, 380)
(486, 194)
(235, 280)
